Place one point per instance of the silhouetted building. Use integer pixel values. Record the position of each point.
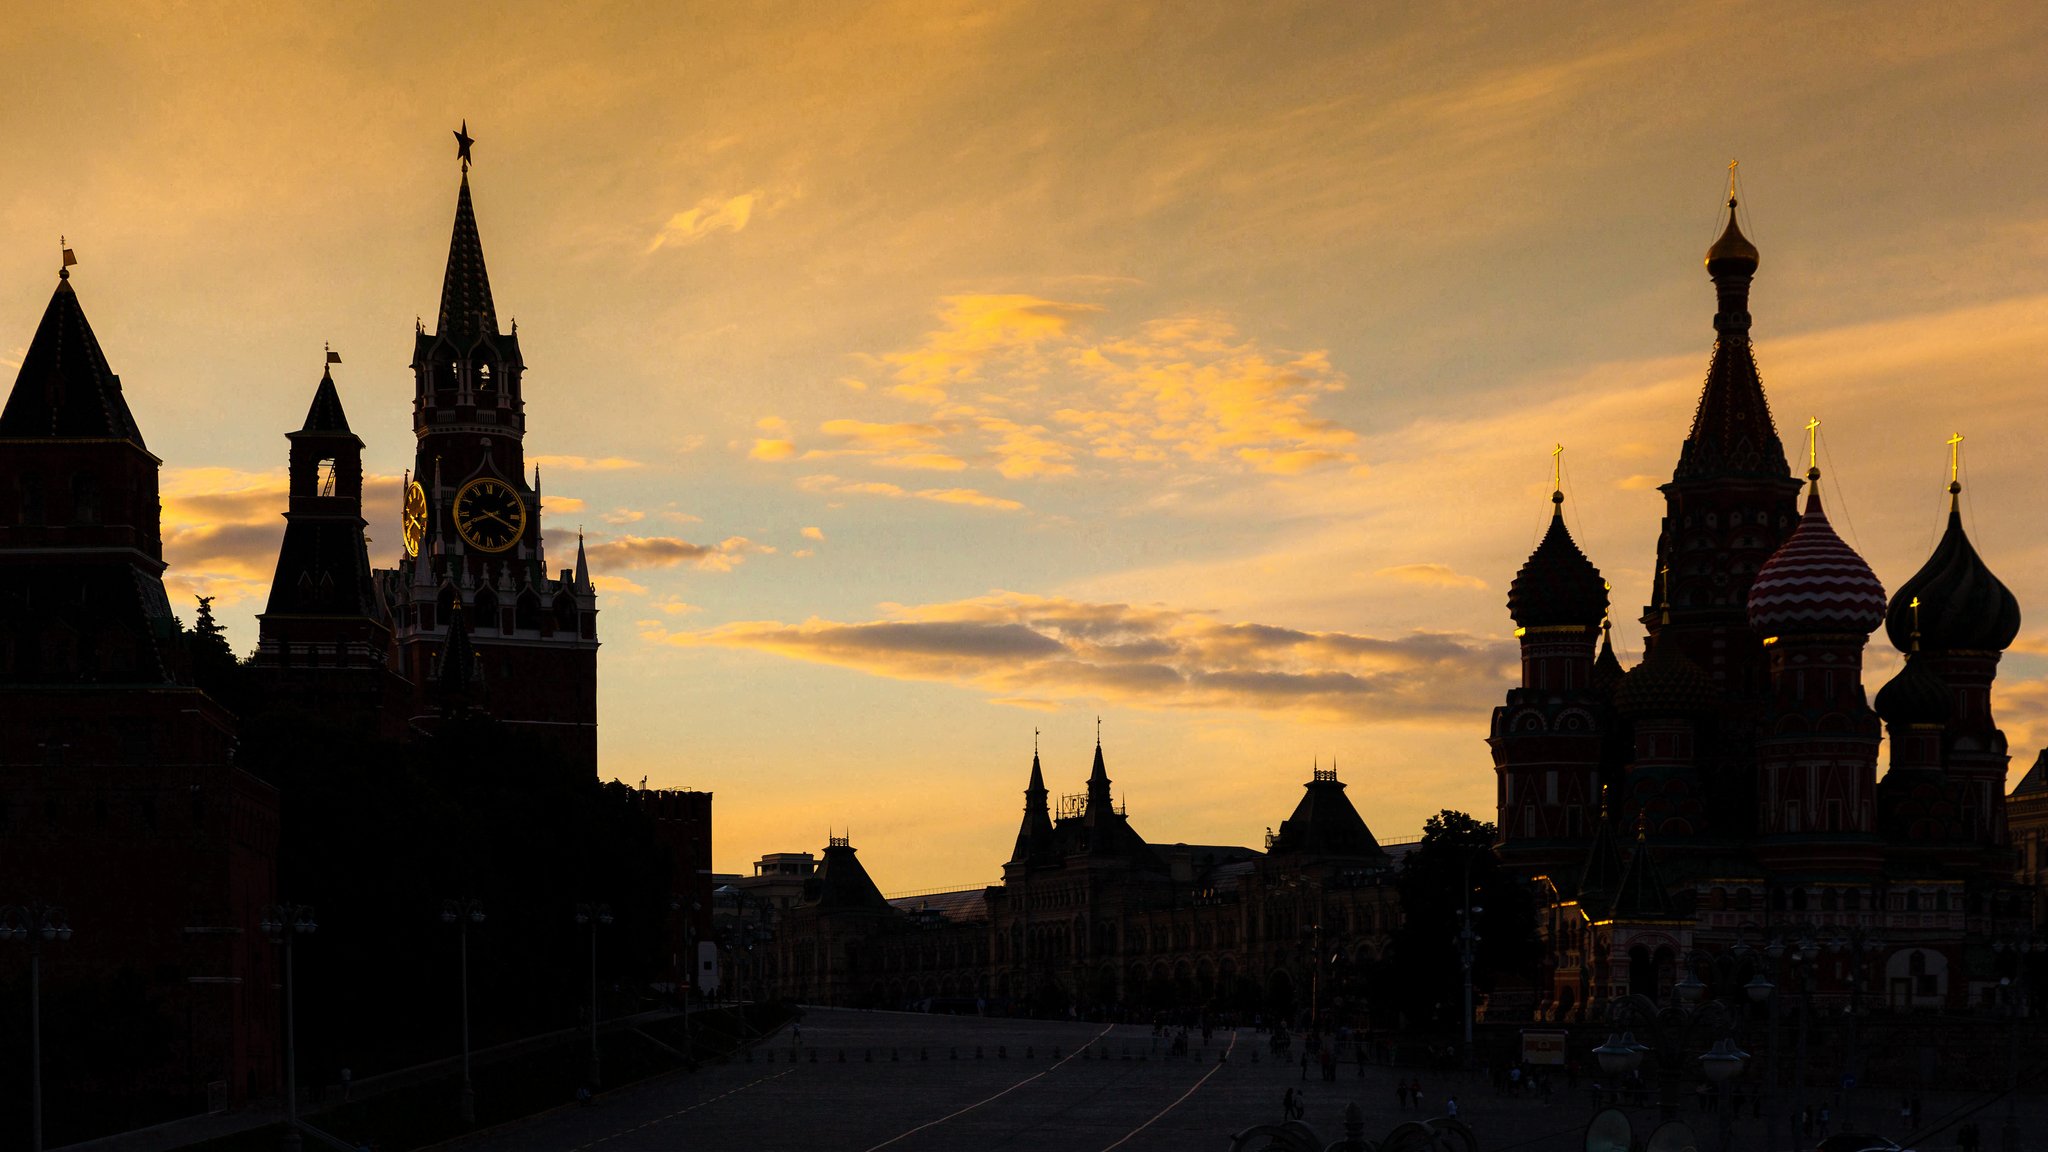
(1092, 917)
(1738, 759)
(119, 797)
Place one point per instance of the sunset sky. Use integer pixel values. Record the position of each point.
(924, 374)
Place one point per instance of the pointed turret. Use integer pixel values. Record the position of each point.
(1732, 431)
(460, 679)
(1641, 893)
(1034, 837)
(466, 306)
(325, 414)
(65, 389)
(1098, 783)
(1599, 879)
(582, 569)
(1325, 824)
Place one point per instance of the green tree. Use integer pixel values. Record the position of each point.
(1423, 977)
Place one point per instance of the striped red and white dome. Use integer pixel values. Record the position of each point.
(1815, 583)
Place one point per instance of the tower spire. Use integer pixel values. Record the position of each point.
(466, 306)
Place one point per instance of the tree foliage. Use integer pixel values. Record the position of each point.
(1422, 978)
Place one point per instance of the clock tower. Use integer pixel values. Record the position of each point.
(471, 522)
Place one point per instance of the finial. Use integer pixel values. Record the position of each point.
(1557, 474)
(462, 142)
(1664, 581)
(1915, 606)
(1034, 743)
(1098, 731)
(1955, 463)
(1642, 827)
(69, 258)
(1731, 182)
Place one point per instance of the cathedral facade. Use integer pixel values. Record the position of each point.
(1726, 790)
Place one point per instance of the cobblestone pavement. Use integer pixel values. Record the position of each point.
(915, 1083)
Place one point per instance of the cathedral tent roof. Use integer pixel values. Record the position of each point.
(2036, 779)
(1732, 431)
(65, 389)
(1641, 894)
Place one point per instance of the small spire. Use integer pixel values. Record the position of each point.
(582, 566)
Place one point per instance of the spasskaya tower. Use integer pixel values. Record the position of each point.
(475, 558)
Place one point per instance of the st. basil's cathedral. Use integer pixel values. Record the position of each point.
(1680, 816)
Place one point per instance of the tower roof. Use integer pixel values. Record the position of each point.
(2036, 779)
(466, 307)
(1916, 696)
(65, 389)
(325, 414)
(1034, 835)
(842, 883)
(1607, 669)
(1666, 683)
(1732, 431)
(1815, 583)
(1959, 604)
(1600, 878)
(1325, 823)
(1641, 894)
(1557, 585)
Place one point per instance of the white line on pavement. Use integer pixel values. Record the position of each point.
(1214, 1069)
(681, 1111)
(997, 1096)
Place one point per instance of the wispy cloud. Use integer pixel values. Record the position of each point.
(711, 214)
(970, 497)
(1041, 648)
(222, 528)
(1431, 575)
(627, 552)
(585, 463)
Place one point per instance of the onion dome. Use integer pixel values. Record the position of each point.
(1915, 696)
(1815, 583)
(1954, 602)
(1557, 585)
(1666, 683)
(1732, 253)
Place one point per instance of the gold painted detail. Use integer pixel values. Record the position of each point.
(414, 519)
(489, 514)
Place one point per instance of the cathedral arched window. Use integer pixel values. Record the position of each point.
(486, 610)
(526, 612)
(565, 614)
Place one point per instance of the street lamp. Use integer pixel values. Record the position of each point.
(463, 913)
(593, 915)
(283, 923)
(38, 924)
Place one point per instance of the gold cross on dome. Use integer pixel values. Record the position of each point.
(1813, 443)
(1955, 455)
(1731, 178)
(1915, 606)
(1557, 468)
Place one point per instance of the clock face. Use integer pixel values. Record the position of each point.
(490, 515)
(415, 518)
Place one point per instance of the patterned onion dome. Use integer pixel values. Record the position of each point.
(1666, 683)
(1814, 582)
(1914, 696)
(1557, 585)
(1962, 606)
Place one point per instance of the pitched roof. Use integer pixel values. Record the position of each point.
(842, 884)
(2036, 779)
(466, 307)
(325, 414)
(1325, 823)
(65, 389)
(1641, 894)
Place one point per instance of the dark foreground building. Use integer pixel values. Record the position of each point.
(120, 800)
(1725, 790)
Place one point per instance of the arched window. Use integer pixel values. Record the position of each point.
(565, 614)
(486, 616)
(526, 611)
(444, 606)
(85, 499)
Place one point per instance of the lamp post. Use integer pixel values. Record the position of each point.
(38, 924)
(1858, 948)
(1467, 940)
(1764, 990)
(283, 923)
(594, 915)
(2012, 993)
(463, 913)
(1670, 1028)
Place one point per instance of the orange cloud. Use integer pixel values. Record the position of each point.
(1431, 575)
(585, 463)
(668, 551)
(712, 214)
(974, 330)
(967, 496)
(1023, 647)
